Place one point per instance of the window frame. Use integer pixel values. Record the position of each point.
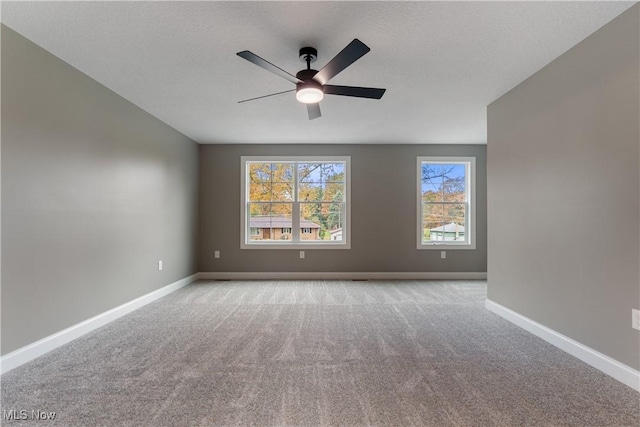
(247, 243)
(470, 219)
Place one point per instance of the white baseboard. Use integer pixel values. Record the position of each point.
(346, 275)
(604, 363)
(27, 353)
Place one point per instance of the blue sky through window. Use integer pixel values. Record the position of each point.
(435, 175)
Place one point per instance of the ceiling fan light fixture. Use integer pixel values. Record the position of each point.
(309, 92)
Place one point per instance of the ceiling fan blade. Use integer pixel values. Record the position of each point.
(266, 96)
(263, 63)
(360, 92)
(347, 56)
(313, 110)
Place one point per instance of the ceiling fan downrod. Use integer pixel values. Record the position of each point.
(308, 55)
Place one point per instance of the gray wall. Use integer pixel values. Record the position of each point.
(383, 212)
(94, 192)
(564, 169)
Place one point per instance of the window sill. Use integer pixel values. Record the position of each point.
(446, 246)
(295, 246)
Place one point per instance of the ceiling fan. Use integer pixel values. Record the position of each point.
(311, 85)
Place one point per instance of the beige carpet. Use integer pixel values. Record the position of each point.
(316, 353)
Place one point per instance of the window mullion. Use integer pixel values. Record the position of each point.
(295, 214)
(442, 203)
(295, 222)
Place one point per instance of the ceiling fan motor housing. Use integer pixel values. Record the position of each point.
(305, 75)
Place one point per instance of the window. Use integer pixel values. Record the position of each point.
(446, 202)
(295, 202)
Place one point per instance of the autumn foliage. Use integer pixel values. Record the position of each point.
(316, 189)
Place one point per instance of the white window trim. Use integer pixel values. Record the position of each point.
(246, 243)
(470, 183)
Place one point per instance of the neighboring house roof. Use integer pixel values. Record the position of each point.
(337, 230)
(278, 222)
(450, 228)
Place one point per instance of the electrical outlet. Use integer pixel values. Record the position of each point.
(216, 254)
(301, 254)
(443, 254)
(160, 265)
(635, 321)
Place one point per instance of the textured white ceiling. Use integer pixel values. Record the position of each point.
(442, 63)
